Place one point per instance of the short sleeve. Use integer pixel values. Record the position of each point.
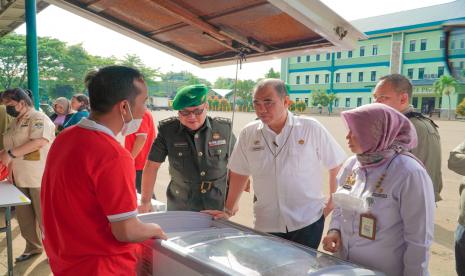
(329, 151)
(41, 127)
(115, 189)
(144, 127)
(159, 149)
(238, 162)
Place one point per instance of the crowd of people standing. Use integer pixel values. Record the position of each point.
(382, 199)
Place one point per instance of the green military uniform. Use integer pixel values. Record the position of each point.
(197, 158)
(428, 149)
(197, 162)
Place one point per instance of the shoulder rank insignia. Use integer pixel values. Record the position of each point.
(168, 120)
(222, 120)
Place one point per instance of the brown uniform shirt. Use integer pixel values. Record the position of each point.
(28, 169)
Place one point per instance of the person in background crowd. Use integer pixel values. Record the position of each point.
(198, 149)
(80, 104)
(90, 219)
(384, 214)
(285, 154)
(27, 141)
(396, 91)
(456, 163)
(62, 114)
(139, 143)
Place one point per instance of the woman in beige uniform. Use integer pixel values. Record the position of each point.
(27, 141)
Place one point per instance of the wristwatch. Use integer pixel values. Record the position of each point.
(11, 154)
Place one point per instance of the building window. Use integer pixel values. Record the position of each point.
(338, 55)
(307, 79)
(347, 102)
(360, 76)
(421, 73)
(307, 58)
(317, 57)
(297, 100)
(326, 78)
(415, 102)
(423, 45)
(412, 45)
(338, 77)
(442, 42)
(317, 78)
(349, 77)
(349, 54)
(373, 75)
(452, 44)
(440, 71)
(369, 99)
(375, 50)
(306, 101)
(362, 51)
(462, 43)
(410, 73)
(328, 56)
(336, 102)
(461, 65)
(297, 80)
(299, 59)
(359, 101)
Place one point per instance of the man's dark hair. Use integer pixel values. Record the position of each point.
(110, 85)
(278, 85)
(400, 83)
(18, 94)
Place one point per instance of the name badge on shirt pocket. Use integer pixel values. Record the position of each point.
(180, 145)
(258, 148)
(215, 143)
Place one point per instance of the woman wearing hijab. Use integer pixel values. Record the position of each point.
(384, 215)
(80, 104)
(62, 113)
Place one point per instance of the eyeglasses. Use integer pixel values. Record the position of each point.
(197, 112)
(266, 103)
(454, 46)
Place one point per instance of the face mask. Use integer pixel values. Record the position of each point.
(11, 110)
(131, 126)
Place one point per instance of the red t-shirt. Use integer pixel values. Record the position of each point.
(146, 128)
(88, 182)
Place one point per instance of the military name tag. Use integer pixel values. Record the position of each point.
(347, 187)
(216, 143)
(258, 148)
(367, 227)
(379, 195)
(180, 145)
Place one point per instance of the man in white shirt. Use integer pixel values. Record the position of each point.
(285, 155)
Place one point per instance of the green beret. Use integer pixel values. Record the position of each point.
(191, 95)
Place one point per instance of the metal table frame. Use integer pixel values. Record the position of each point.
(10, 196)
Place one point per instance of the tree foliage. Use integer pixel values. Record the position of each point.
(445, 85)
(272, 74)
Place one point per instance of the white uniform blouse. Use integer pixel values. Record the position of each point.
(404, 211)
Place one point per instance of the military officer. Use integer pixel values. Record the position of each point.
(198, 148)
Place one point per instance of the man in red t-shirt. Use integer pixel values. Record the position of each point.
(139, 143)
(90, 223)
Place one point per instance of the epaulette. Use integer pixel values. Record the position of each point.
(167, 120)
(222, 120)
(418, 115)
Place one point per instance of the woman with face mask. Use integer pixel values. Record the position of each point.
(62, 114)
(27, 141)
(384, 214)
(80, 104)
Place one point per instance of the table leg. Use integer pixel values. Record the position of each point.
(9, 246)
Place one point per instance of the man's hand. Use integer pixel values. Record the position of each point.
(332, 241)
(5, 157)
(216, 214)
(329, 207)
(145, 207)
(159, 233)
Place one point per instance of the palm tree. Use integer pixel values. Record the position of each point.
(445, 85)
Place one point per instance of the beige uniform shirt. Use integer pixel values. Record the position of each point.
(28, 169)
(5, 120)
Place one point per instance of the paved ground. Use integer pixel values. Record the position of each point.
(442, 257)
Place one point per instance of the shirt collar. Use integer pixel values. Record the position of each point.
(206, 124)
(290, 121)
(93, 125)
